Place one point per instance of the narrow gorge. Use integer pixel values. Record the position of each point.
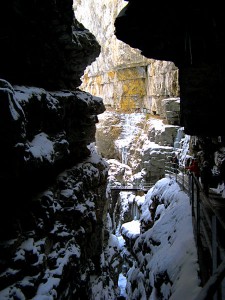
(91, 119)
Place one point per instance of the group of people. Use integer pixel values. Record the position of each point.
(204, 172)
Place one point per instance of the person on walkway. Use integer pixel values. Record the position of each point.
(194, 168)
(175, 163)
(206, 176)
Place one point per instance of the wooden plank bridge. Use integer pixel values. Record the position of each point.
(141, 187)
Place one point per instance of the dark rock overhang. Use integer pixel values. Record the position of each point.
(190, 34)
(185, 33)
(42, 44)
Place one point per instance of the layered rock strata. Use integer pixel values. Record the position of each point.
(125, 79)
(139, 88)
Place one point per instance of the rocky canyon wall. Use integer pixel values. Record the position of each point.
(124, 78)
(53, 185)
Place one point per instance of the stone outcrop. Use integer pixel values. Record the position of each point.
(171, 110)
(56, 241)
(147, 146)
(108, 131)
(43, 132)
(44, 45)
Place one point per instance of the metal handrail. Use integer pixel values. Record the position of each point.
(142, 186)
(206, 221)
(211, 286)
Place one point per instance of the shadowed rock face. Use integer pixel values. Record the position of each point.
(43, 47)
(192, 36)
(43, 133)
(53, 185)
(42, 44)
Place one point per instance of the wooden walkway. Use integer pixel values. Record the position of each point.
(208, 214)
(126, 188)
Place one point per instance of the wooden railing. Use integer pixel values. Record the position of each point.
(209, 230)
(139, 187)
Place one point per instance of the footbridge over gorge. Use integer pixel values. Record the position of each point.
(138, 190)
(134, 188)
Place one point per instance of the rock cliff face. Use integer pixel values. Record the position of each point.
(43, 132)
(125, 79)
(53, 184)
(52, 242)
(144, 144)
(138, 88)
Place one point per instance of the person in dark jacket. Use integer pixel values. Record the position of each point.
(175, 163)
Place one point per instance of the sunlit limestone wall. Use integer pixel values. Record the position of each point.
(123, 89)
(161, 83)
(124, 78)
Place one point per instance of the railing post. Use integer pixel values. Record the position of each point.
(214, 288)
(214, 250)
(191, 178)
(198, 215)
(176, 170)
(190, 188)
(214, 244)
(183, 179)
